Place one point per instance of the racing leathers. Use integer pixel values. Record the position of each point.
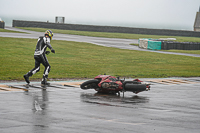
(40, 57)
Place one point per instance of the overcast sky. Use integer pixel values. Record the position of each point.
(168, 14)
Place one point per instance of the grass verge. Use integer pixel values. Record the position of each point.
(114, 35)
(84, 60)
(4, 30)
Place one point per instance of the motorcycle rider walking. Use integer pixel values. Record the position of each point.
(40, 57)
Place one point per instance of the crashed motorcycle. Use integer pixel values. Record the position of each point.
(113, 85)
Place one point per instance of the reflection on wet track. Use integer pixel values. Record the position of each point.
(113, 100)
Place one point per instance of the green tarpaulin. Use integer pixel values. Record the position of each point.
(154, 45)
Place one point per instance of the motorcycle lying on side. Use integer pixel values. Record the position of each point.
(113, 85)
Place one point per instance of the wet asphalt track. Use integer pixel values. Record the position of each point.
(108, 42)
(170, 106)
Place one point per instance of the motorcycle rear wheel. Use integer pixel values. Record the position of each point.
(90, 84)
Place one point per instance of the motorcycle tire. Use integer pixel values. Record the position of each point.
(134, 87)
(90, 84)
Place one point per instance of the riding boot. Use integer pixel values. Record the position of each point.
(44, 80)
(26, 77)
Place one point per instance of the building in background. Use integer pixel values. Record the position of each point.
(60, 20)
(197, 21)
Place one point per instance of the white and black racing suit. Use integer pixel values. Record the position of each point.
(40, 57)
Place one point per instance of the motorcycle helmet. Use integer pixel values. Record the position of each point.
(49, 33)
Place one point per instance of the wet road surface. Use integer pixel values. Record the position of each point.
(107, 42)
(172, 105)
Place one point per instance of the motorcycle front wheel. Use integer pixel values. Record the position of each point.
(90, 84)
